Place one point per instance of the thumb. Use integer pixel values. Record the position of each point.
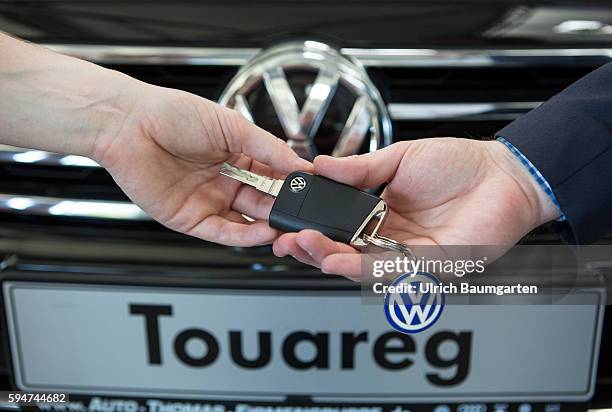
(364, 171)
(256, 143)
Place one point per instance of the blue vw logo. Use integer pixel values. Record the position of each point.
(417, 305)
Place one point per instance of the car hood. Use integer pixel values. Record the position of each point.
(361, 24)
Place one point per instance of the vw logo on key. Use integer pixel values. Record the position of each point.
(297, 184)
(413, 307)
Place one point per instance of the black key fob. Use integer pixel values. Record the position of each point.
(339, 211)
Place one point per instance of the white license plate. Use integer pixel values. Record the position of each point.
(178, 342)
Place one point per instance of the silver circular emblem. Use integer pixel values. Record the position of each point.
(366, 124)
(297, 184)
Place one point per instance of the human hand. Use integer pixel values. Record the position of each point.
(442, 191)
(166, 156)
(163, 147)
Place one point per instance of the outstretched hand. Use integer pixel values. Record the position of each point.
(166, 157)
(163, 147)
(442, 191)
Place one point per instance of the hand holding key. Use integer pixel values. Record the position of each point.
(442, 191)
(166, 157)
(304, 201)
(163, 147)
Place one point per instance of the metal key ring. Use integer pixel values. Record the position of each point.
(389, 244)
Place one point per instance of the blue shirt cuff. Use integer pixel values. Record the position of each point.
(533, 171)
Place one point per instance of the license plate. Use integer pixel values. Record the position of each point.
(236, 344)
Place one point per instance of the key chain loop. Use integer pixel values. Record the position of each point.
(389, 244)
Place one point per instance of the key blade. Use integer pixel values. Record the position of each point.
(262, 183)
(272, 186)
(241, 175)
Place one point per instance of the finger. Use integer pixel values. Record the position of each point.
(235, 217)
(265, 170)
(220, 230)
(311, 247)
(253, 203)
(286, 245)
(280, 247)
(243, 136)
(301, 256)
(345, 264)
(364, 171)
(319, 246)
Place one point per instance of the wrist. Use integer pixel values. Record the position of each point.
(115, 108)
(58, 103)
(536, 202)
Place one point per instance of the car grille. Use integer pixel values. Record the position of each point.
(469, 93)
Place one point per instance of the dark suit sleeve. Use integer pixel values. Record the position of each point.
(569, 140)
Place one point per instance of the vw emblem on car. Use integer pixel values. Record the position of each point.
(412, 307)
(297, 184)
(337, 92)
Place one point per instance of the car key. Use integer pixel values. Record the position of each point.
(304, 201)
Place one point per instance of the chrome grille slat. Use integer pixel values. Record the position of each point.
(11, 154)
(62, 207)
(460, 111)
(204, 56)
(198, 56)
